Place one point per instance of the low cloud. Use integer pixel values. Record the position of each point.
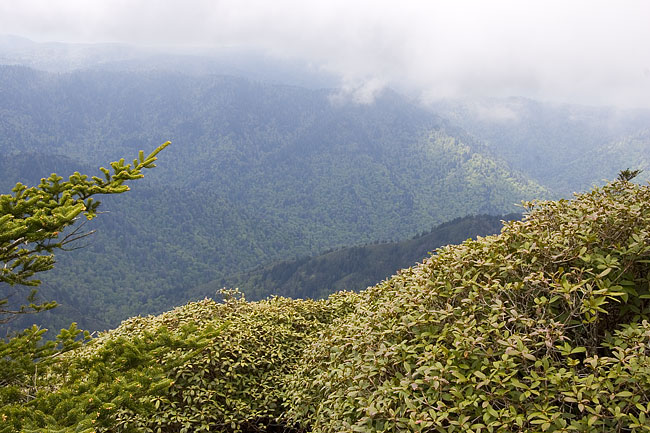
(588, 52)
(496, 112)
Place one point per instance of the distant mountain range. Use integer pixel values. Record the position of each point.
(67, 57)
(260, 172)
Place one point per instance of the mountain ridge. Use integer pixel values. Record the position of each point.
(256, 173)
(352, 268)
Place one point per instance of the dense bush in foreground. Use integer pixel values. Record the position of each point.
(543, 328)
(202, 367)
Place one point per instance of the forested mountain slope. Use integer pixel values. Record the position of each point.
(567, 148)
(351, 268)
(256, 173)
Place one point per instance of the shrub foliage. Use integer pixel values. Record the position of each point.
(542, 328)
(205, 366)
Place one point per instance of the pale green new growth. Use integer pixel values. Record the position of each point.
(32, 221)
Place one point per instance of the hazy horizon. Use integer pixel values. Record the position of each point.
(587, 53)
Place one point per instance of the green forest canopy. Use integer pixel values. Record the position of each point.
(260, 173)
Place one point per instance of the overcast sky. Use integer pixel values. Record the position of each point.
(589, 52)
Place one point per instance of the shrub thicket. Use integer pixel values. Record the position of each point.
(543, 328)
(205, 366)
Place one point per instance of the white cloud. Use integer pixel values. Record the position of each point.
(592, 52)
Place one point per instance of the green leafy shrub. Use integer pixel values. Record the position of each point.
(541, 328)
(202, 367)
